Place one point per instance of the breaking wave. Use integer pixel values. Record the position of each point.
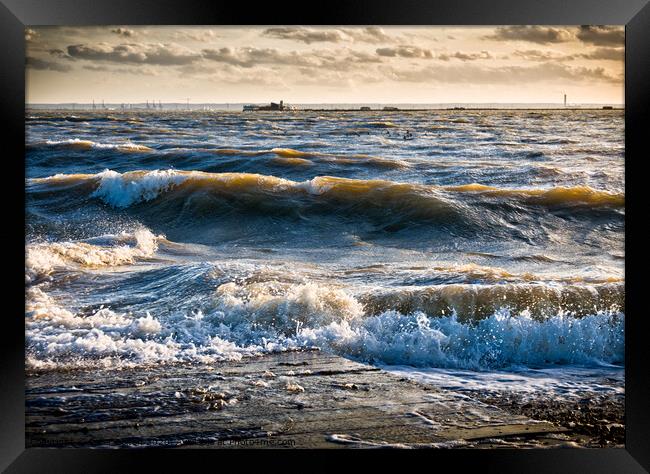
(122, 249)
(248, 319)
(125, 189)
(78, 144)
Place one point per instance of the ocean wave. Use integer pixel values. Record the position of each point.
(472, 271)
(291, 153)
(292, 161)
(59, 338)
(289, 156)
(551, 197)
(78, 144)
(121, 249)
(473, 301)
(249, 319)
(381, 124)
(124, 189)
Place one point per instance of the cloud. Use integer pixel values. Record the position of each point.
(44, 65)
(123, 32)
(143, 71)
(92, 67)
(405, 51)
(249, 57)
(317, 62)
(537, 55)
(371, 34)
(193, 70)
(360, 57)
(471, 74)
(532, 34)
(614, 54)
(59, 53)
(153, 54)
(465, 56)
(602, 35)
(306, 35)
(195, 35)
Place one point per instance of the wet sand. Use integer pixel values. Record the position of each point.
(307, 399)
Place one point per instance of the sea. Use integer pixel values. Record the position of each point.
(475, 249)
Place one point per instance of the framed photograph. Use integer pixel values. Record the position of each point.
(375, 228)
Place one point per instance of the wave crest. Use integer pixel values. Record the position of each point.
(124, 189)
(472, 301)
(125, 248)
(247, 319)
(78, 144)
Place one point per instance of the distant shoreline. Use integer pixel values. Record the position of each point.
(449, 109)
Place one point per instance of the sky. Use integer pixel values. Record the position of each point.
(306, 64)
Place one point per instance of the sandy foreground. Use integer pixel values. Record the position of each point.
(306, 399)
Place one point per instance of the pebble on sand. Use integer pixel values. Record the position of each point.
(294, 388)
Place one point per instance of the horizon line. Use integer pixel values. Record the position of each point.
(326, 103)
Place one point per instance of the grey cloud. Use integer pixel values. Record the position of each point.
(123, 32)
(465, 56)
(196, 35)
(615, 54)
(371, 34)
(405, 51)
(44, 65)
(59, 53)
(361, 57)
(135, 70)
(602, 35)
(343, 59)
(91, 67)
(532, 34)
(193, 70)
(249, 57)
(537, 55)
(503, 75)
(156, 54)
(306, 35)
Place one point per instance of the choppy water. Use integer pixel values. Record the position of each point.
(479, 240)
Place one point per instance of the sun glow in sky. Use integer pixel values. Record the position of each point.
(508, 64)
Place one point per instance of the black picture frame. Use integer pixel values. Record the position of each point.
(634, 14)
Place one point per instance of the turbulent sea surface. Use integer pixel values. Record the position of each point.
(457, 246)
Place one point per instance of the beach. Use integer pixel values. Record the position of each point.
(292, 400)
(425, 278)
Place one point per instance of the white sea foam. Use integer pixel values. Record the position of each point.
(248, 319)
(57, 337)
(77, 143)
(121, 249)
(500, 340)
(119, 191)
(568, 383)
